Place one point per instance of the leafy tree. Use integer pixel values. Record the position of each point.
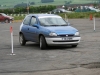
(32, 9)
(21, 5)
(32, 3)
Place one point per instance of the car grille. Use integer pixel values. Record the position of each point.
(67, 35)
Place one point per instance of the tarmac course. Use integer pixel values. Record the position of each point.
(30, 60)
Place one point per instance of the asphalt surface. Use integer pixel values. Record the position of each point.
(30, 60)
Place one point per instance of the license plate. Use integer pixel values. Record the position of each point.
(67, 38)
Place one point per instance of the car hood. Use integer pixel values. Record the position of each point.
(62, 29)
(10, 17)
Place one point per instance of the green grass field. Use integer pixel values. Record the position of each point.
(12, 3)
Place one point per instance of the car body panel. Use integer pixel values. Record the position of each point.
(63, 40)
(62, 29)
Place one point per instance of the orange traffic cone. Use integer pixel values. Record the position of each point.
(91, 17)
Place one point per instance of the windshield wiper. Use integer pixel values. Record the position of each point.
(60, 25)
(45, 25)
(53, 25)
(64, 25)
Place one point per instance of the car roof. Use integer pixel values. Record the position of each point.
(40, 15)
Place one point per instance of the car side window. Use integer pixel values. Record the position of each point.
(33, 21)
(27, 20)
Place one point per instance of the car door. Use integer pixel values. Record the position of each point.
(25, 27)
(33, 29)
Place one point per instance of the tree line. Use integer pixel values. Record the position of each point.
(46, 1)
(31, 9)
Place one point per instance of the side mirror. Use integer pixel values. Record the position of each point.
(35, 25)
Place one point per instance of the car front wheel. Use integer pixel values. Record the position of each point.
(43, 43)
(22, 40)
(6, 20)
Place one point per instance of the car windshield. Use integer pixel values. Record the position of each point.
(4, 14)
(52, 21)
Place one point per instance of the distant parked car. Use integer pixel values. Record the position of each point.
(5, 18)
(60, 10)
(94, 9)
(48, 29)
(87, 9)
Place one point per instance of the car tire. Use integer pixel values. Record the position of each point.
(6, 21)
(42, 43)
(10, 21)
(74, 46)
(22, 40)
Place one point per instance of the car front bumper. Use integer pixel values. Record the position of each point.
(63, 40)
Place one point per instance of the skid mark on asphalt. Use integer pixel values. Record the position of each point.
(91, 65)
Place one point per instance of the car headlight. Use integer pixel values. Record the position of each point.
(77, 34)
(11, 17)
(52, 34)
